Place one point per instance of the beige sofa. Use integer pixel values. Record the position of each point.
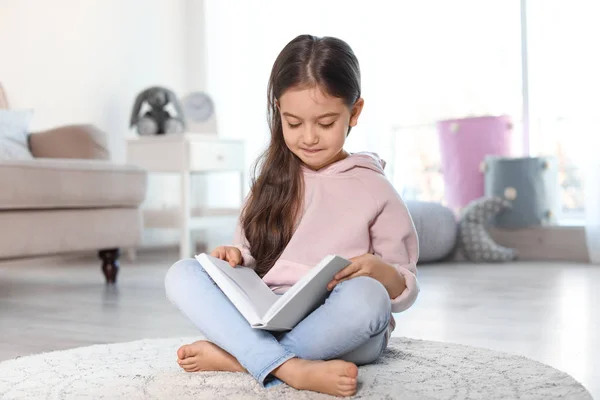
(70, 198)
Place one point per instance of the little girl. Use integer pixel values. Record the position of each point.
(310, 198)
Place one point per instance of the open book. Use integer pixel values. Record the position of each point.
(259, 305)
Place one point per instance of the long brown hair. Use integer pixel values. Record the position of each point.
(273, 207)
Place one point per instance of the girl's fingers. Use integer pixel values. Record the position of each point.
(349, 270)
(345, 274)
(219, 253)
(229, 254)
(336, 281)
(233, 257)
(238, 259)
(354, 275)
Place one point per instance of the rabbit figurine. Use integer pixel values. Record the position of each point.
(157, 120)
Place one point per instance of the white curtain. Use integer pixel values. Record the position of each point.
(592, 210)
(565, 82)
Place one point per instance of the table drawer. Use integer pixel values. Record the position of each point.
(216, 156)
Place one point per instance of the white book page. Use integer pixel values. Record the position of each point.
(256, 293)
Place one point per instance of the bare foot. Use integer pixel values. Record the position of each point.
(206, 356)
(334, 377)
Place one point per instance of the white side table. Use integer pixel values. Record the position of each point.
(186, 154)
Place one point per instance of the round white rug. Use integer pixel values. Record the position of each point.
(410, 369)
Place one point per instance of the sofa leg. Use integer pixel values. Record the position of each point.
(110, 264)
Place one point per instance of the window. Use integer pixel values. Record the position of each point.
(563, 70)
(416, 167)
(563, 87)
(419, 66)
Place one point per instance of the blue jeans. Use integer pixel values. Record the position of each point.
(351, 325)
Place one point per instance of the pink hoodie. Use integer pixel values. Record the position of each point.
(350, 208)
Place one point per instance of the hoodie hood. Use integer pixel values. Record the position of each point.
(355, 160)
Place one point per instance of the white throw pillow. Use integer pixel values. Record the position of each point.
(14, 131)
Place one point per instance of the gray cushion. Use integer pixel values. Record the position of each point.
(14, 126)
(475, 242)
(436, 229)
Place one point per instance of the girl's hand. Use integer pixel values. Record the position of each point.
(231, 254)
(372, 266)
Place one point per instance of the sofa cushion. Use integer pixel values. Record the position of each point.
(46, 232)
(14, 127)
(60, 183)
(70, 141)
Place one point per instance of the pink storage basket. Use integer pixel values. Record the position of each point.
(464, 143)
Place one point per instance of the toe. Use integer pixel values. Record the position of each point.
(346, 380)
(187, 362)
(182, 353)
(352, 370)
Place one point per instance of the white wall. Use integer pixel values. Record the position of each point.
(85, 61)
(195, 44)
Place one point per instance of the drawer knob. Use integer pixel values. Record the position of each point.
(220, 157)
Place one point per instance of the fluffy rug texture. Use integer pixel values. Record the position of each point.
(410, 369)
